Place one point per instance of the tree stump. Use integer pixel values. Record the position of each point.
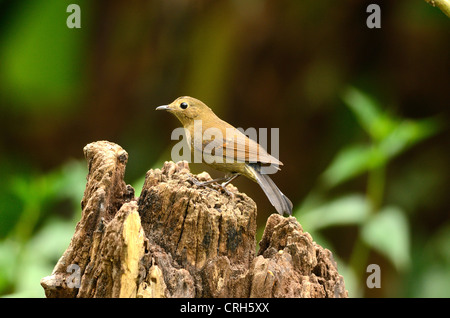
(180, 240)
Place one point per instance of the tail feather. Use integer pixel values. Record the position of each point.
(281, 203)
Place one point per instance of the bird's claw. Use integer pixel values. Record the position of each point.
(228, 192)
(196, 182)
(212, 185)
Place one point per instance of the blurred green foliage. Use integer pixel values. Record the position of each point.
(32, 240)
(40, 59)
(383, 228)
(366, 167)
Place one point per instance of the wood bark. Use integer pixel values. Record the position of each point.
(180, 240)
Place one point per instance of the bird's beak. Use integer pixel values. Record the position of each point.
(163, 107)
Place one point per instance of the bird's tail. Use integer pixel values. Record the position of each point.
(281, 203)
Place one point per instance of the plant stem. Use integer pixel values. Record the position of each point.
(361, 252)
(358, 261)
(375, 187)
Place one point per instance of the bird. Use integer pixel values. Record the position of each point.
(229, 150)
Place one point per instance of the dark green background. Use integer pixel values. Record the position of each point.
(362, 113)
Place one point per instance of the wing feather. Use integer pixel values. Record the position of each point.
(237, 147)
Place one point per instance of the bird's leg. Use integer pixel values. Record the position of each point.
(224, 184)
(226, 180)
(229, 179)
(205, 183)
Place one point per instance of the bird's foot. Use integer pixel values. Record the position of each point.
(196, 182)
(223, 187)
(212, 184)
(202, 184)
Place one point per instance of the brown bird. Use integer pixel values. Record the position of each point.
(225, 148)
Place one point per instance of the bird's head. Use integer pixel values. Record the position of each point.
(187, 109)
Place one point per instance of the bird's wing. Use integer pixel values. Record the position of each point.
(236, 146)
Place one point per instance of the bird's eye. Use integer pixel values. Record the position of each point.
(184, 105)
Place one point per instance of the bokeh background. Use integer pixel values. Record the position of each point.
(362, 113)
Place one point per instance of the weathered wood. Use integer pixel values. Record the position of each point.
(179, 240)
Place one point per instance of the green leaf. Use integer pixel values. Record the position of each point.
(364, 108)
(434, 282)
(388, 233)
(8, 253)
(348, 163)
(39, 255)
(351, 209)
(406, 134)
(368, 113)
(69, 181)
(356, 159)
